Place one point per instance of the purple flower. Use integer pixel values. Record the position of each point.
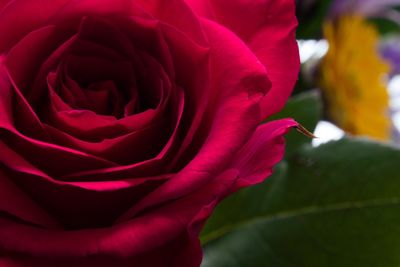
(390, 50)
(368, 8)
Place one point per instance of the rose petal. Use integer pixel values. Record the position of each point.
(192, 74)
(262, 152)
(17, 164)
(185, 22)
(26, 57)
(183, 251)
(54, 159)
(238, 82)
(151, 167)
(3, 3)
(10, 99)
(70, 202)
(39, 152)
(126, 149)
(16, 203)
(268, 28)
(181, 218)
(152, 40)
(13, 28)
(100, 127)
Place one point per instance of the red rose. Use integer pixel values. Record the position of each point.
(124, 122)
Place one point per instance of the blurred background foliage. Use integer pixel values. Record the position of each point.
(333, 200)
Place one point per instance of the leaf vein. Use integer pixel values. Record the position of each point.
(289, 214)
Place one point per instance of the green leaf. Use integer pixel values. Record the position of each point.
(385, 26)
(305, 108)
(335, 205)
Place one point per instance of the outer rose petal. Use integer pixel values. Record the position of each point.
(175, 242)
(262, 152)
(268, 28)
(3, 3)
(33, 15)
(183, 252)
(15, 202)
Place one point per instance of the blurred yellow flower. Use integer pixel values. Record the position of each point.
(352, 78)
